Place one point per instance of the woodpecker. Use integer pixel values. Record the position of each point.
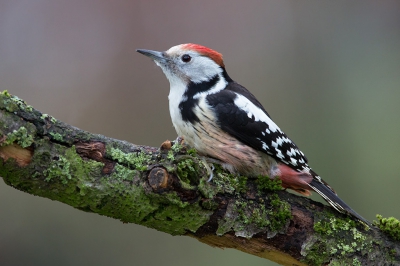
(223, 120)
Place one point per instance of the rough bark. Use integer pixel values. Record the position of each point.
(166, 189)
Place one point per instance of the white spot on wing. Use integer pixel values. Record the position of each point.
(274, 144)
(264, 146)
(279, 154)
(279, 141)
(253, 111)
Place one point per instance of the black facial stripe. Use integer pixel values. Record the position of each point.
(186, 107)
(195, 88)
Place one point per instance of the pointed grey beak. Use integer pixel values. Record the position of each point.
(155, 55)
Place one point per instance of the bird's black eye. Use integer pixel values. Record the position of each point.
(186, 58)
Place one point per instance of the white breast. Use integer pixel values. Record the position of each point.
(208, 139)
(193, 134)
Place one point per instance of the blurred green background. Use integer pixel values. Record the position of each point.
(328, 72)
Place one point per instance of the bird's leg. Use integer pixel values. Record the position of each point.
(207, 161)
(179, 140)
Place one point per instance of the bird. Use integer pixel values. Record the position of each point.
(223, 120)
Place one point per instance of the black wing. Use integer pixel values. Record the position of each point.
(244, 122)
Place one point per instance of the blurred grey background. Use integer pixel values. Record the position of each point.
(328, 72)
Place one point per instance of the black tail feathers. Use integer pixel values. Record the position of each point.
(330, 196)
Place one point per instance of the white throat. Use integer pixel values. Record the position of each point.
(175, 97)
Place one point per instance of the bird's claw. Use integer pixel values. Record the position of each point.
(209, 165)
(211, 174)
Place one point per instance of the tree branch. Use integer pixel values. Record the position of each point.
(167, 189)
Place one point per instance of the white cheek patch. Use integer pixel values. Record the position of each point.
(201, 69)
(253, 111)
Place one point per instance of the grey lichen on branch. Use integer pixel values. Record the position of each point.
(167, 189)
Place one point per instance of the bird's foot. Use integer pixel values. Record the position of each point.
(167, 145)
(207, 161)
(179, 140)
(209, 165)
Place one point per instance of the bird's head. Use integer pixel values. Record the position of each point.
(187, 63)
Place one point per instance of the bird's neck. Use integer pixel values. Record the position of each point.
(184, 97)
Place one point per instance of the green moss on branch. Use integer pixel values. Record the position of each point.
(390, 226)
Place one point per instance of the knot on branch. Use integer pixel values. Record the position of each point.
(159, 179)
(95, 150)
